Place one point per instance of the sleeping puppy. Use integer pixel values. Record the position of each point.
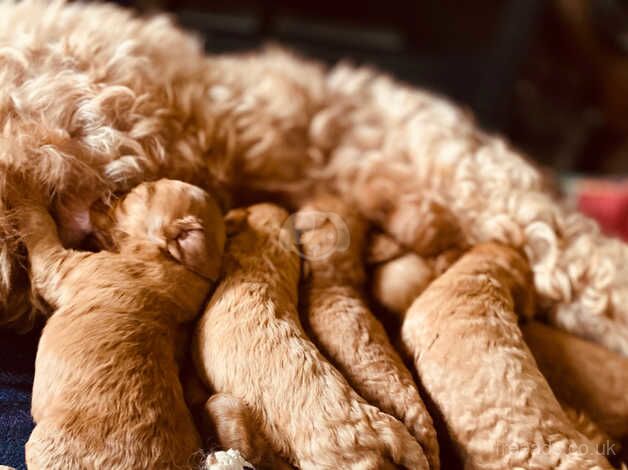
(106, 392)
(470, 356)
(337, 317)
(593, 397)
(250, 344)
(583, 375)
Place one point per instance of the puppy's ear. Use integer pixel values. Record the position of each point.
(189, 243)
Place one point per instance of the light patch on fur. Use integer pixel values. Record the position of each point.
(226, 460)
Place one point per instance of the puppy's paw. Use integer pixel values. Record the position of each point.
(383, 442)
(397, 444)
(421, 426)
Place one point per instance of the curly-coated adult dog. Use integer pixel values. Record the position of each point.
(94, 100)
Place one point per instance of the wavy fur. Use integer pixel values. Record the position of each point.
(94, 100)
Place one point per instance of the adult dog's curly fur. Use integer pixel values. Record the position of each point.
(94, 100)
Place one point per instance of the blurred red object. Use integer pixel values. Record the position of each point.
(607, 202)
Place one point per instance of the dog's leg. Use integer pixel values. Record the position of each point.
(229, 422)
(470, 355)
(49, 260)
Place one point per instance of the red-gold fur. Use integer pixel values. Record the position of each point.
(250, 343)
(107, 391)
(470, 355)
(337, 317)
(93, 100)
(231, 425)
(583, 375)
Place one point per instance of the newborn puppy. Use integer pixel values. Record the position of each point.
(469, 353)
(250, 344)
(338, 319)
(583, 375)
(106, 392)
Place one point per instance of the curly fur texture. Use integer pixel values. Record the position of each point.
(462, 336)
(337, 317)
(93, 100)
(308, 412)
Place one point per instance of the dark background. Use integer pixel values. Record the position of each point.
(552, 75)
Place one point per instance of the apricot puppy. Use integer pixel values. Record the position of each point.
(231, 425)
(338, 319)
(583, 375)
(469, 353)
(106, 392)
(250, 344)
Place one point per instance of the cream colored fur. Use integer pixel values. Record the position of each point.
(94, 100)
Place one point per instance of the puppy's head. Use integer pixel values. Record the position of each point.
(180, 219)
(263, 217)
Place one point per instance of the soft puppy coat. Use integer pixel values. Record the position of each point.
(462, 336)
(337, 317)
(307, 410)
(106, 392)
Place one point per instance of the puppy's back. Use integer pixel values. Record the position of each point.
(106, 392)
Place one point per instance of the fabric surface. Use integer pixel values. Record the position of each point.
(16, 380)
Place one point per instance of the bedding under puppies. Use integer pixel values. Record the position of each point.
(106, 392)
(250, 344)
(471, 359)
(338, 319)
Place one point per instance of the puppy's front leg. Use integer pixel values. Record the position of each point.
(470, 355)
(49, 261)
